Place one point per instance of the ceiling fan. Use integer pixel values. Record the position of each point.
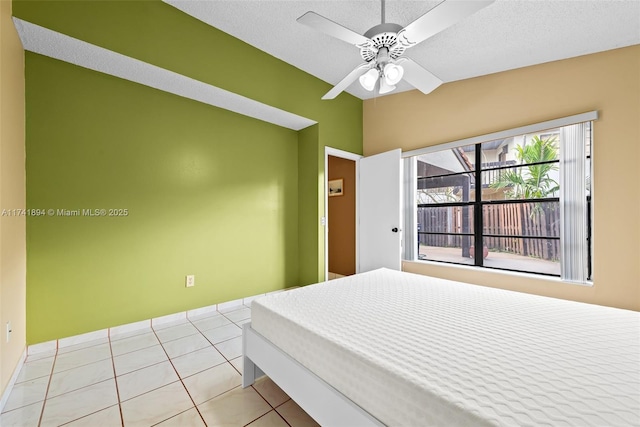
(383, 45)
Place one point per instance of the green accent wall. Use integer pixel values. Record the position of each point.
(308, 202)
(208, 192)
(231, 199)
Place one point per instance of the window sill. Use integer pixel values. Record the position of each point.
(482, 270)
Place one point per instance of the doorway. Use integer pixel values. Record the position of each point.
(341, 213)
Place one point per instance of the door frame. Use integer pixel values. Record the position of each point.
(330, 151)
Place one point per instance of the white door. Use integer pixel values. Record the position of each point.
(379, 211)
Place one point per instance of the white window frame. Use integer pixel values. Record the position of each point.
(410, 206)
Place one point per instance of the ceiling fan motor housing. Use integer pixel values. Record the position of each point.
(382, 35)
(382, 46)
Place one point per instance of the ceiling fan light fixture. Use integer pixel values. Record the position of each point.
(368, 80)
(385, 87)
(383, 45)
(393, 74)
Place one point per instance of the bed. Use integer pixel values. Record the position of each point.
(394, 348)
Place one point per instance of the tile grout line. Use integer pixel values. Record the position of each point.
(229, 362)
(112, 356)
(131, 333)
(115, 378)
(179, 378)
(216, 348)
(264, 415)
(46, 393)
(256, 419)
(81, 346)
(87, 386)
(81, 366)
(223, 356)
(160, 344)
(282, 416)
(202, 331)
(273, 408)
(140, 369)
(85, 416)
(71, 391)
(56, 354)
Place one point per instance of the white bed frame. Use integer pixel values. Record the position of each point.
(321, 401)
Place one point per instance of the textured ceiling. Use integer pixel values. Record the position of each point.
(507, 34)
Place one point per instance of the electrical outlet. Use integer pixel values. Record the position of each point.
(190, 281)
(8, 331)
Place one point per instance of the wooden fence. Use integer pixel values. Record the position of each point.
(518, 219)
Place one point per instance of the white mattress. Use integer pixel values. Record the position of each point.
(414, 350)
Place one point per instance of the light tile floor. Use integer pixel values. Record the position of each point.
(185, 373)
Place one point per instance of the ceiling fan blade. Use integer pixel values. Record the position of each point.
(438, 19)
(418, 77)
(344, 83)
(327, 26)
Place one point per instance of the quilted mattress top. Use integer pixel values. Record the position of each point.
(416, 350)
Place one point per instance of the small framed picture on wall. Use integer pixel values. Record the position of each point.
(335, 187)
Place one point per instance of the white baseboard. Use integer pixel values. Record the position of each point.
(247, 301)
(202, 311)
(79, 339)
(170, 318)
(228, 306)
(12, 381)
(42, 347)
(32, 351)
(129, 328)
(144, 324)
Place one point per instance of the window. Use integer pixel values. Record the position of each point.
(518, 203)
